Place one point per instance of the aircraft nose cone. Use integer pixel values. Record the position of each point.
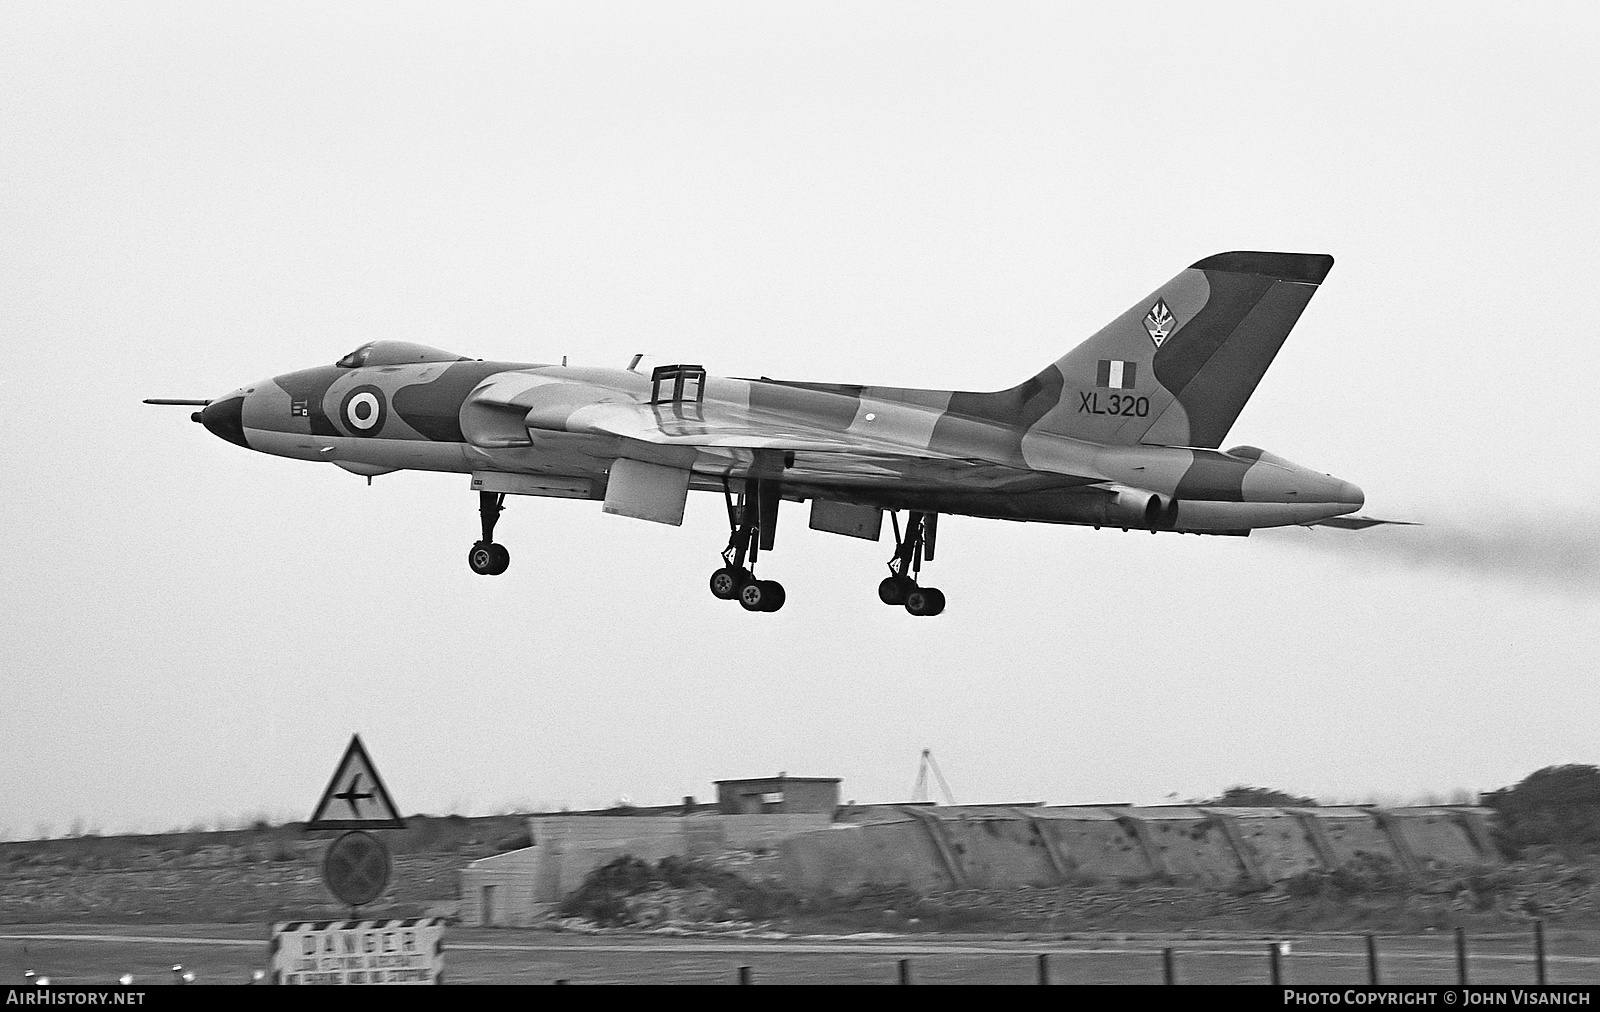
(1346, 492)
(225, 417)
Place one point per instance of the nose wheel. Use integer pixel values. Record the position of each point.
(900, 587)
(487, 558)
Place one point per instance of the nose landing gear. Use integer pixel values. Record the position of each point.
(487, 558)
(900, 586)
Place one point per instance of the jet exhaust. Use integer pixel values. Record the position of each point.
(1551, 553)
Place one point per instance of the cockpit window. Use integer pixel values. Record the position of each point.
(356, 359)
(395, 353)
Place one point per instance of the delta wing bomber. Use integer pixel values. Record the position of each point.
(1124, 431)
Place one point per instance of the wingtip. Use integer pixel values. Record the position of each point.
(1361, 523)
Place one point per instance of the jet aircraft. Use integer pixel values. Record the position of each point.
(1123, 431)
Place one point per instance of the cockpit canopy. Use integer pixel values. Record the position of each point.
(395, 353)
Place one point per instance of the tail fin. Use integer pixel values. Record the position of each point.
(1178, 367)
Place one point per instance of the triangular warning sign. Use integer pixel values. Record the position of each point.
(356, 797)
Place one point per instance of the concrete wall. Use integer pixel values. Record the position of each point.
(1348, 832)
(1093, 844)
(846, 855)
(980, 847)
(528, 883)
(991, 849)
(498, 891)
(945, 848)
(1444, 835)
(1280, 844)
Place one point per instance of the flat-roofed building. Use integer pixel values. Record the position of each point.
(779, 795)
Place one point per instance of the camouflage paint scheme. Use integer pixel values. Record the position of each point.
(1123, 431)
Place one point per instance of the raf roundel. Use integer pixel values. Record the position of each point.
(364, 410)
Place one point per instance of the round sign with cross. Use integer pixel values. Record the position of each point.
(356, 868)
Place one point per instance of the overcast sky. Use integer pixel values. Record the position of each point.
(194, 197)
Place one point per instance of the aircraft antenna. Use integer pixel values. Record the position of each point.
(919, 793)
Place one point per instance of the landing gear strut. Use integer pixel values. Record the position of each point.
(487, 558)
(900, 586)
(751, 518)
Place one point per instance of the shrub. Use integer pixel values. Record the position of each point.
(1241, 796)
(602, 898)
(1558, 806)
(1365, 874)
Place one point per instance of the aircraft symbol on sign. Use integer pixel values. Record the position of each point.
(370, 807)
(350, 796)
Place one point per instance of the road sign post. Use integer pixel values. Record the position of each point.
(356, 868)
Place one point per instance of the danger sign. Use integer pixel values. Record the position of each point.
(409, 951)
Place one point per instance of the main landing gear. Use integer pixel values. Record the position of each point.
(750, 521)
(487, 558)
(900, 586)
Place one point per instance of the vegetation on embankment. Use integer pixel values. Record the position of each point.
(253, 875)
(1369, 894)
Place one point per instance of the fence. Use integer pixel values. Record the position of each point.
(1457, 958)
(1566, 956)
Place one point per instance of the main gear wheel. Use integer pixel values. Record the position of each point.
(728, 581)
(925, 601)
(762, 595)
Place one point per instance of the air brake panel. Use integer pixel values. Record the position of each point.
(647, 491)
(843, 518)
